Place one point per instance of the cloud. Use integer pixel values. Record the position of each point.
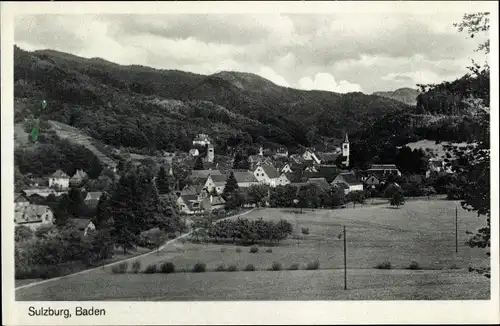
(372, 52)
(326, 82)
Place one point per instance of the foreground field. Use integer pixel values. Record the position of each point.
(421, 231)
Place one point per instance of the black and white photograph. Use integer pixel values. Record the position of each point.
(240, 156)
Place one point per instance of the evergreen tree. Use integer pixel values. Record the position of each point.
(162, 181)
(230, 187)
(397, 199)
(103, 213)
(198, 163)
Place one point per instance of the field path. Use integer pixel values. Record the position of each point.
(101, 268)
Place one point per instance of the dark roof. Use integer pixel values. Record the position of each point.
(271, 171)
(192, 189)
(20, 197)
(30, 213)
(203, 173)
(188, 198)
(246, 176)
(218, 179)
(60, 174)
(321, 182)
(349, 178)
(383, 167)
(327, 157)
(80, 223)
(341, 185)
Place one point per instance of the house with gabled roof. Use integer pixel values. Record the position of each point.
(349, 179)
(189, 204)
(320, 182)
(33, 216)
(78, 178)
(92, 198)
(384, 170)
(310, 155)
(217, 182)
(267, 174)
(59, 179)
(85, 226)
(245, 179)
(20, 200)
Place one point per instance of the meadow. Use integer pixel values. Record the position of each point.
(421, 231)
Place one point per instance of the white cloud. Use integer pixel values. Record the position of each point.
(270, 74)
(326, 82)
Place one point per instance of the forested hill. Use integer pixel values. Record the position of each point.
(142, 107)
(405, 95)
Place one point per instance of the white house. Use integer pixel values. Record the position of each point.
(194, 152)
(59, 180)
(217, 182)
(281, 152)
(286, 169)
(349, 180)
(283, 180)
(84, 225)
(33, 216)
(267, 174)
(309, 155)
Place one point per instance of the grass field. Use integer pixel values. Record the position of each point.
(421, 231)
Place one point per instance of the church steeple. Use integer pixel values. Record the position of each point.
(346, 139)
(345, 150)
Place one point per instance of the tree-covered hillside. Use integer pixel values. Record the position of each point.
(141, 107)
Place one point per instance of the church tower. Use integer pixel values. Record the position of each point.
(345, 150)
(210, 153)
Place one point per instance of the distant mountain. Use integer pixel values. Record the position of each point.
(405, 95)
(143, 107)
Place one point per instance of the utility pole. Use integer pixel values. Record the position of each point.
(456, 229)
(345, 261)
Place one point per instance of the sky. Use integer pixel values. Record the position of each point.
(334, 52)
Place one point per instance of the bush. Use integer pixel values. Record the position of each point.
(199, 268)
(220, 268)
(384, 265)
(136, 266)
(276, 266)
(269, 250)
(254, 249)
(232, 268)
(238, 249)
(222, 249)
(151, 269)
(305, 230)
(414, 265)
(122, 267)
(167, 267)
(293, 267)
(312, 265)
(249, 268)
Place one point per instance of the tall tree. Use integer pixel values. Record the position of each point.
(162, 181)
(230, 187)
(103, 214)
(198, 163)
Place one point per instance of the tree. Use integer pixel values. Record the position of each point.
(22, 233)
(356, 197)
(397, 199)
(241, 161)
(198, 163)
(103, 214)
(162, 182)
(230, 187)
(257, 194)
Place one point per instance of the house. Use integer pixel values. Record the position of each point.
(372, 180)
(267, 174)
(33, 216)
(384, 170)
(195, 174)
(20, 200)
(286, 168)
(42, 192)
(282, 180)
(350, 180)
(328, 158)
(309, 155)
(329, 172)
(92, 198)
(217, 182)
(213, 203)
(256, 160)
(59, 179)
(78, 178)
(195, 189)
(194, 152)
(320, 182)
(281, 152)
(84, 225)
(201, 140)
(188, 204)
(296, 159)
(245, 179)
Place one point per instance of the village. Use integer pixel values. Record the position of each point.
(202, 189)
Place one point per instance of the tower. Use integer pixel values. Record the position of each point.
(345, 150)
(210, 153)
(261, 151)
